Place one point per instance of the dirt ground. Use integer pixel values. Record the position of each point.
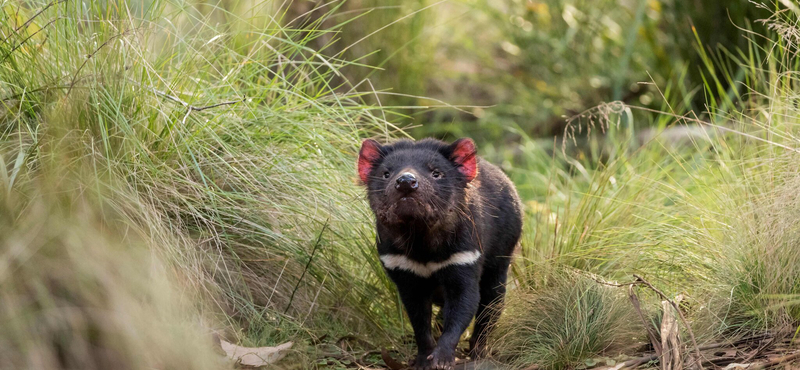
(765, 351)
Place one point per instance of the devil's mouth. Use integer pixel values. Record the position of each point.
(404, 209)
(407, 201)
(408, 207)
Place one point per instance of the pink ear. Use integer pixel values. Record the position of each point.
(466, 157)
(367, 157)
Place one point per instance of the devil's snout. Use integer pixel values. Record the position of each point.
(406, 183)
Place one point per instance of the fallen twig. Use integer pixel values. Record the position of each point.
(343, 342)
(638, 361)
(766, 364)
(760, 350)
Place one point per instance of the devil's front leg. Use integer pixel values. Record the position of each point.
(461, 299)
(416, 293)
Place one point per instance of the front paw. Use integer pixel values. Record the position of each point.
(439, 360)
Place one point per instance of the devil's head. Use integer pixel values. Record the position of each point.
(420, 182)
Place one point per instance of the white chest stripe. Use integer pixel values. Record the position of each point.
(401, 262)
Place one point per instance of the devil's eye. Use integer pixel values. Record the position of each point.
(386, 174)
(436, 174)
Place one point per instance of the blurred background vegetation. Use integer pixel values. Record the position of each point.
(529, 64)
(171, 170)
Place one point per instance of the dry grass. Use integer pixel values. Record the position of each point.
(83, 289)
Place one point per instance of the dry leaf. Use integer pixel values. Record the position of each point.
(390, 361)
(255, 356)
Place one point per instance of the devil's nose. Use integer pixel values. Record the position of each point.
(407, 182)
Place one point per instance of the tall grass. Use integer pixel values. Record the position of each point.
(77, 295)
(712, 216)
(530, 63)
(227, 147)
(172, 169)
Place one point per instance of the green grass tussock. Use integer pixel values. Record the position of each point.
(562, 320)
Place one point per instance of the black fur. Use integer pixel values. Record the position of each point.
(443, 216)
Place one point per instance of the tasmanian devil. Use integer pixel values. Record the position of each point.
(447, 225)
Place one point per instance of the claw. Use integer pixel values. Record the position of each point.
(441, 362)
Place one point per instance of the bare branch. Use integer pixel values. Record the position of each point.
(199, 109)
(189, 108)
